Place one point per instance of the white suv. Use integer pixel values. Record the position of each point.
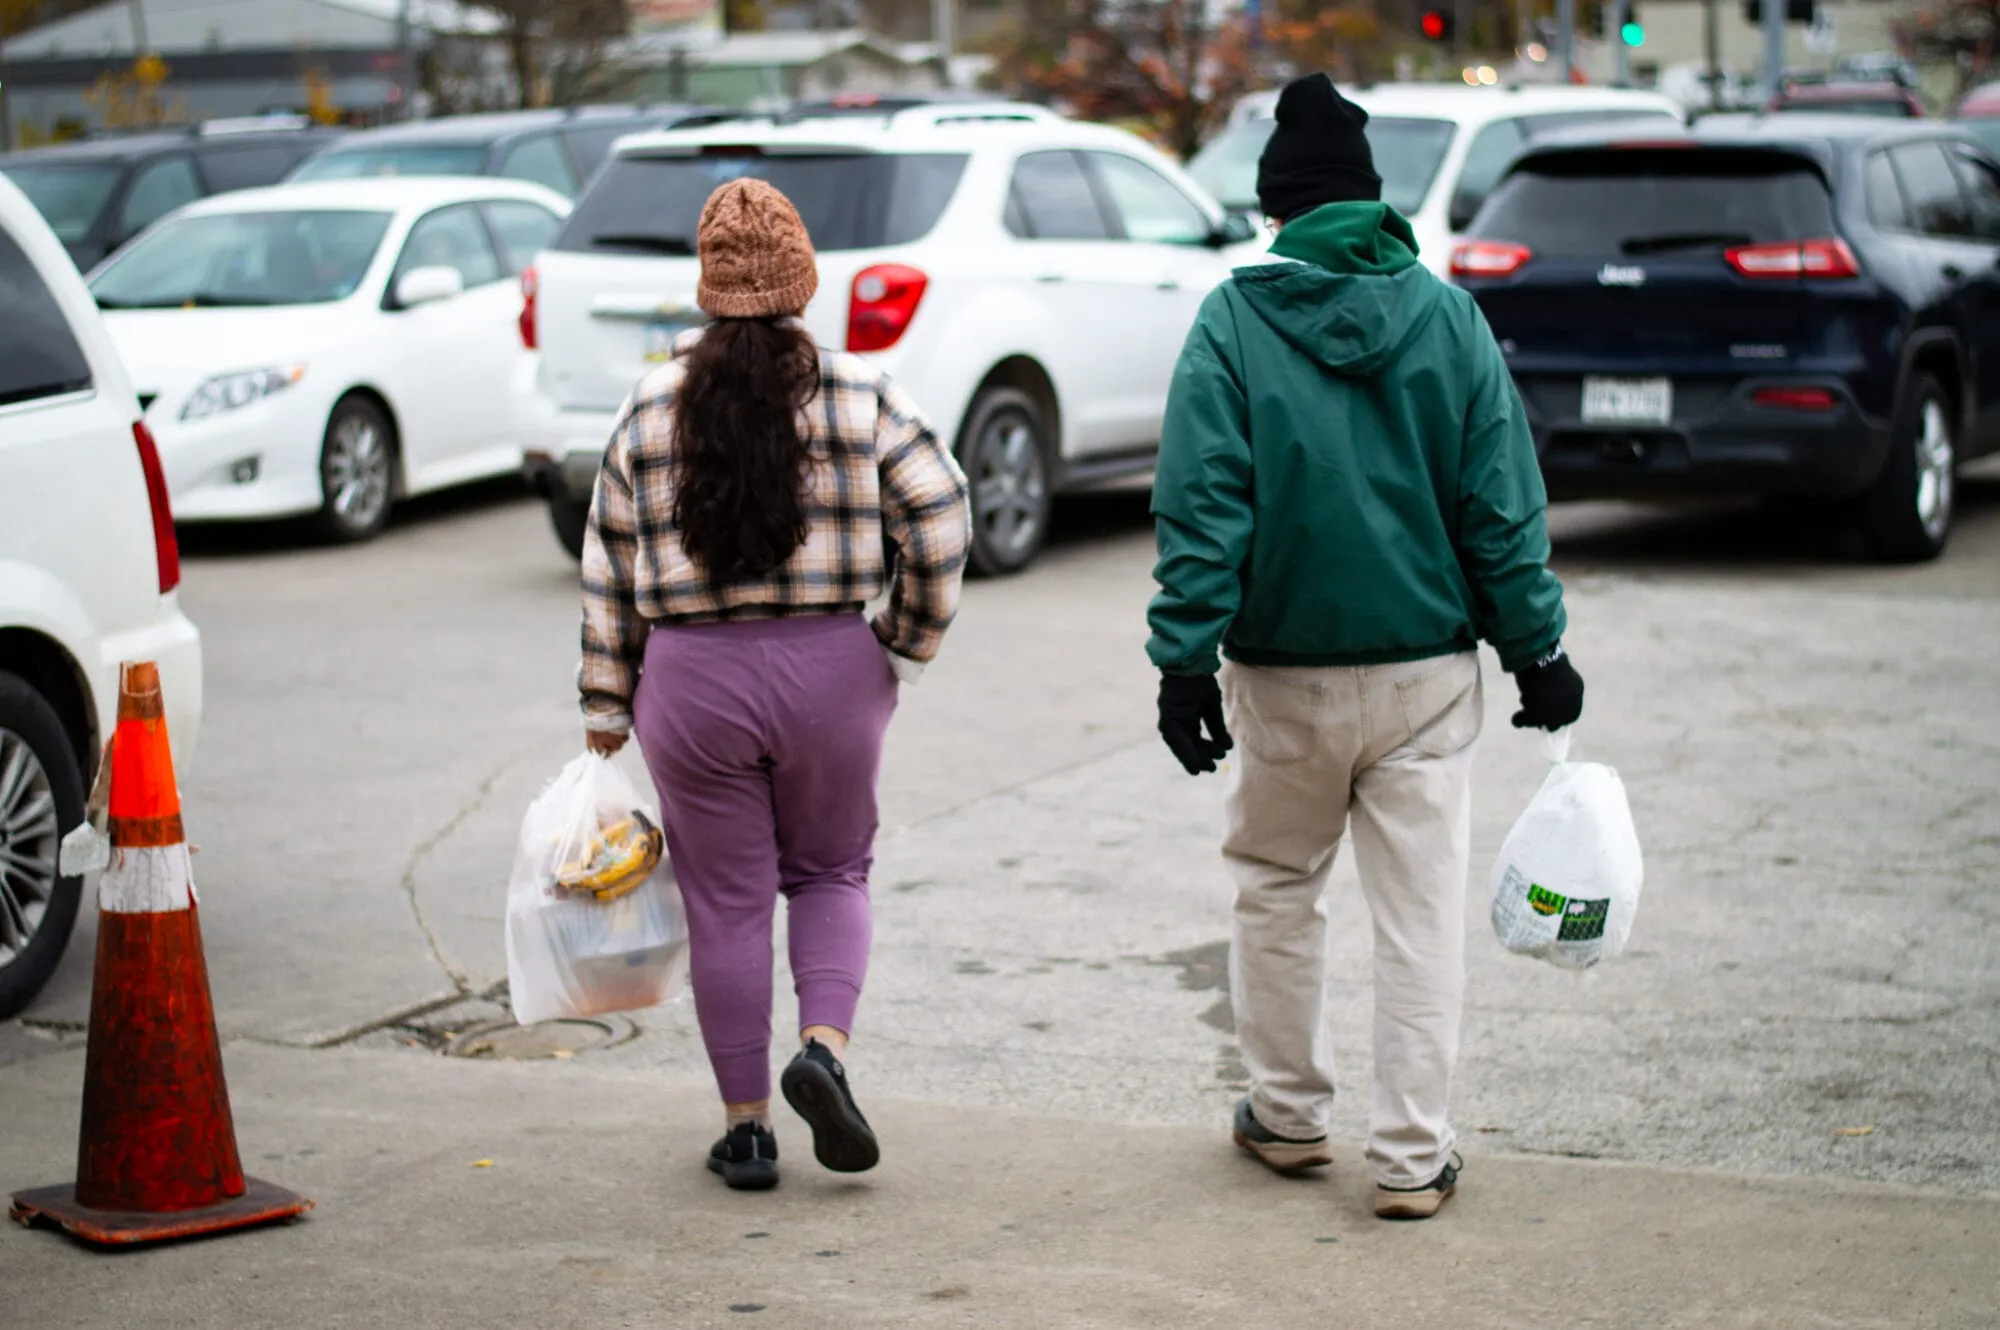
(1028, 279)
(88, 567)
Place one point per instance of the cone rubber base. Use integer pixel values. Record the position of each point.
(56, 1207)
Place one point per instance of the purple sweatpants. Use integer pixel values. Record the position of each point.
(764, 740)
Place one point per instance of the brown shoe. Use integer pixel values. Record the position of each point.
(1418, 1202)
(1279, 1154)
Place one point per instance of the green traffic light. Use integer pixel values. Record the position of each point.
(1632, 34)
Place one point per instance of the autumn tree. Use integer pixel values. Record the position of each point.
(561, 51)
(1161, 66)
(1964, 32)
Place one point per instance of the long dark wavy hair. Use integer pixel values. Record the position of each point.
(741, 461)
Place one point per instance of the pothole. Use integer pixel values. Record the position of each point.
(558, 1039)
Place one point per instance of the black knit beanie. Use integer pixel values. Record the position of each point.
(1317, 154)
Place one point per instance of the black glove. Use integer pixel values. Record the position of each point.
(1551, 693)
(1187, 702)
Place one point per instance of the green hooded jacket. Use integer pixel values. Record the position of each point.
(1346, 476)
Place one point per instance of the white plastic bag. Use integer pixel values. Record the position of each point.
(1566, 885)
(570, 953)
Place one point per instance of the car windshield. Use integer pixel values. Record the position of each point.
(1892, 108)
(69, 195)
(410, 159)
(1631, 202)
(651, 205)
(1408, 152)
(244, 258)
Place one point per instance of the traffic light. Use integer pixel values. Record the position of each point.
(1632, 34)
(1436, 25)
(1796, 11)
(1596, 17)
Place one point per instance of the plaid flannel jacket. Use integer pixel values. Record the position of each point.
(878, 471)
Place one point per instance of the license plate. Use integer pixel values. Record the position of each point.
(1628, 401)
(661, 335)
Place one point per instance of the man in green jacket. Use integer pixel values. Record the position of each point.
(1348, 501)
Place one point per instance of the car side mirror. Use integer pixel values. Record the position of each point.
(1236, 229)
(427, 286)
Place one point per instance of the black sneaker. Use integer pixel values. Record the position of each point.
(1279, 1154)
(747, 1158)
(815, 1085)
(1418, 1202)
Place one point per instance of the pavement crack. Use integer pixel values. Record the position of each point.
(460, 981)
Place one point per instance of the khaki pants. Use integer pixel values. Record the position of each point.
(1389, 748)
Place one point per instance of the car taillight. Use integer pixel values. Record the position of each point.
(529, 288)
(885, 299)
(1795, 399)
(1487, 258)
(166, 548)
(1800, 258)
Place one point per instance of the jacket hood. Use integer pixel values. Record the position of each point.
(1356, 295)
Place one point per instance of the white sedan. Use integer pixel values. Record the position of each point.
(327, 348)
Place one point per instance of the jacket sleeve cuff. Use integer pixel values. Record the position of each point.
(617, 722)
(906, 670)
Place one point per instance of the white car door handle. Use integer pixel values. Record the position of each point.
(1167, 284)
(1050, 277)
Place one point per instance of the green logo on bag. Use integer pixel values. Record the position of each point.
(1545, 902)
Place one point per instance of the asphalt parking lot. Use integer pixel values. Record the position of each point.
(1808, 741)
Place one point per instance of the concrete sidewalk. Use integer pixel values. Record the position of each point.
(596, 1211)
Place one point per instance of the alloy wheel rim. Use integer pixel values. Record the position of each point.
(1010, 485)
(357, 471)
(28, 841)
(1935, 457)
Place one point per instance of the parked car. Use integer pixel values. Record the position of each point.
(1029, 279)
(560, 150)
(1978, 114)
(88, 571)
(328, 348)
(100, 193)
(1439, 148)
(1795, 306)
(1885, 95)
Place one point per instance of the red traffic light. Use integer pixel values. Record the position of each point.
(1435, 25)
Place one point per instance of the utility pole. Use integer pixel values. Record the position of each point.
(1711, 46)
(1774, 46)
(941, 33)
(1621, 55)
(1566, 38)
(1461, 22)
(405, 73)
(140, 46)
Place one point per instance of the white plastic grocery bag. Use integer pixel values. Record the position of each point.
(581, 938)
(1566, 885)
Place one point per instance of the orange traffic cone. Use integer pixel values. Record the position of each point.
(158, 1153)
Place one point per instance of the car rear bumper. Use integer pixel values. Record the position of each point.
(173, 643)
(562, 449)
(1738, 447)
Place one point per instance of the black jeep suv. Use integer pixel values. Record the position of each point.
(1804, 306)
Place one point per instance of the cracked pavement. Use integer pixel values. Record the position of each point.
(1810, 745)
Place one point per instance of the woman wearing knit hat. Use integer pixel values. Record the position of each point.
(741, 520)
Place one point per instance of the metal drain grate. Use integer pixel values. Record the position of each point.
(549, 1039)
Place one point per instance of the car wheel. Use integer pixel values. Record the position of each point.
(1906, 515)
(357, 471)
(570, 519)
(41, 794)
(1004, 449)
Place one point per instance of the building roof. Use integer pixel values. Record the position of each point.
(763, 49)
(197, 27)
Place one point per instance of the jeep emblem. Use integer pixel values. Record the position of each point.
(1612, 274)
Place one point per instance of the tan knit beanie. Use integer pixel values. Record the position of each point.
(756, 258)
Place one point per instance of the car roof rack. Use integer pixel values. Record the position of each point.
(230, 126)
